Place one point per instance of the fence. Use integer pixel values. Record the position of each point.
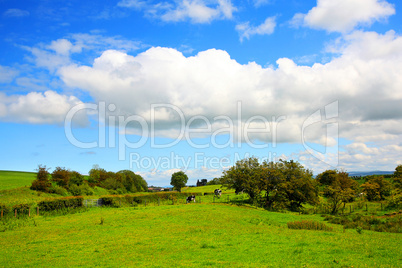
(93, 202)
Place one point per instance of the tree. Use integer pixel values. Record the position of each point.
(41, 183)
(327, 177)
(338, 188)
(244, 176)
(398, 171)
(179, 180)
(285, 183)
(97, 175)
(376, 188)
(298, 187)
(133, 182)
(61, 177)
(215, 181)
(76, 178)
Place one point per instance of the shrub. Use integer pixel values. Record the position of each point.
(21, 207)
(58, 190)
(75, 190)
(85, 189)
(309, 225)
(395, 202)
(111, 201)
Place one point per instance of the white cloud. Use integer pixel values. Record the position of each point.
(7, 74)
(58, 52)
(38, 108)
(344, 15)
(366, 84)
(15, 12)
(197, 11)
(266, 28)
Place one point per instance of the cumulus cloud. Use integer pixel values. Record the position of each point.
(266, 28)
(38, 108)
(358, 156)
(58, 53)
(197, 11)
(344, 15)
(211, 88)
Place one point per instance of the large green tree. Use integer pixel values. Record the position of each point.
(284, 183)
(179, 180)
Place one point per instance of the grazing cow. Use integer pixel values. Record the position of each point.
(239, 191)
(218, 192)
(190, 198)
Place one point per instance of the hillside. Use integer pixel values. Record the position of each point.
(15, 179)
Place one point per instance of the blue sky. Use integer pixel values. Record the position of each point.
(159, 86)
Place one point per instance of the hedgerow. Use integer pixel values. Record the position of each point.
(61, 203)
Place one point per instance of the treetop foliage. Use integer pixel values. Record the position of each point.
(179, 180)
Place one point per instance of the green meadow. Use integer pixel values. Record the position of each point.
(15, 179)
(192, 235)
(212, 232)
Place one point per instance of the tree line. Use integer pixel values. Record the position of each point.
(288, 185)
(64, 181)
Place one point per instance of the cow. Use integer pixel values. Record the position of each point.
(190, 198)
(218, 193)
(239, 191)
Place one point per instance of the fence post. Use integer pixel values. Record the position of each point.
(29, 212)
(1, 213)
(16, 213)
(37, 211)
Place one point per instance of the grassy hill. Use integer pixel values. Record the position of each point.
(15, 179)
(193, 235)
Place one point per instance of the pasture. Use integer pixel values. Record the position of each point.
(15, 179)
(213, 232)
(193, 235)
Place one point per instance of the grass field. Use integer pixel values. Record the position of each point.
(210, 233)
(193, 235)
(15, 179)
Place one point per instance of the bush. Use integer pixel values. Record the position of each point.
(309, 225)
(395, 202)
(75, 190)
(21, 207)
(61, 203)
(111, 201)
(58, 190)
(85, 189)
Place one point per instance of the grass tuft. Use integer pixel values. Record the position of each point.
(309, 225)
